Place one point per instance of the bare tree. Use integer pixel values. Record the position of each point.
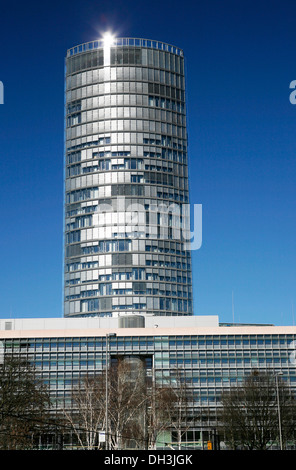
(180, 404)
(168, 408)
(24, 404)
(250, 413)
(158, 413)
(128, 401)
(138, 408)
(87, 413)
(143, 408)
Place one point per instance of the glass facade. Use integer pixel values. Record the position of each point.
(126, 180)
(210, 362)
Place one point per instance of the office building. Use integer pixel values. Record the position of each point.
(212, 357)
(127, 265)
(126, 180)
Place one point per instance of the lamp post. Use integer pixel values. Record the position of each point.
(108, 335)
(279, 409)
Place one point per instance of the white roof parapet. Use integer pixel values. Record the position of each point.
(154, 326)
(83, 323)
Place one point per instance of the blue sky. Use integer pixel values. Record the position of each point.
(240, 60)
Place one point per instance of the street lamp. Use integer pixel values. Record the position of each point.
(279, 409)
(108, 335)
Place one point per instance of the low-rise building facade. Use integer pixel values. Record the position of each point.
(212, 357)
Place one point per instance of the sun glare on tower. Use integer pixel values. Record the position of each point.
(108, 39)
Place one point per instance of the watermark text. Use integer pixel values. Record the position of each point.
(1, 93)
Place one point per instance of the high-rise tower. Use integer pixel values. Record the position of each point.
(126, 180)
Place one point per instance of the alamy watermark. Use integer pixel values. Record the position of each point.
(1, 93)
(161, 221)
(292, 96)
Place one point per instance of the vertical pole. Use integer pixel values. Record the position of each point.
(107, 436)
(279, 411)
(153, 399)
